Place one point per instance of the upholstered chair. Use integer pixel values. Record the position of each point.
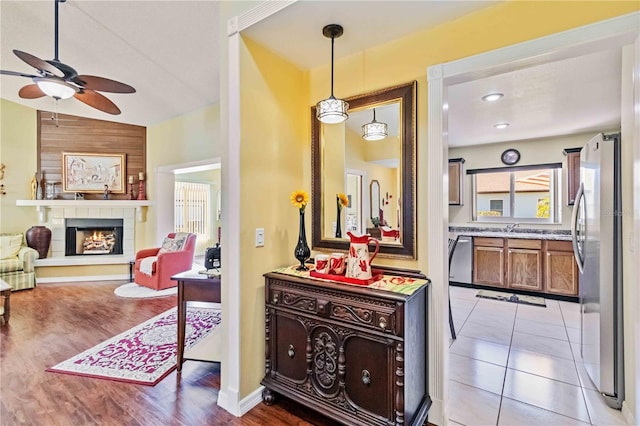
(154, 267)
(17, 262)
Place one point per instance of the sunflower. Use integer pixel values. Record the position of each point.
(343, 200)
(299, 199)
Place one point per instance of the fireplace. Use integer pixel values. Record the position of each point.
(90, 237)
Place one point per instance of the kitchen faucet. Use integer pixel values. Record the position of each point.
(510, 227)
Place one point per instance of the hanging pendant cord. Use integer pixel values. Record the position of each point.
(332, 39)
(55, 46)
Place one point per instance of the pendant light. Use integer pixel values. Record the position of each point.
(375, 130)
(332, 110)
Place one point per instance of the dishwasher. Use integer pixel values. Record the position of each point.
(462, 261)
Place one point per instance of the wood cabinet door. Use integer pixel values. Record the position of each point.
(289, 348)
(455, 182)
(561, 273)
(368, 375)
(524, 269)
(573, 174)
(488, 266)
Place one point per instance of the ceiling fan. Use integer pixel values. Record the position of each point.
(60, 81)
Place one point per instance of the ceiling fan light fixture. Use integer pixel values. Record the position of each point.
(375, 130)
(332, 110)
(56, 89)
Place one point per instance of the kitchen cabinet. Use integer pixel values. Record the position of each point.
(456, 179)
(573, 173)
(561, 269)
(488, 261)
(355, 354)
(524, 264)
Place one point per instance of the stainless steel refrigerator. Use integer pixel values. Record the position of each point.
(597, 246)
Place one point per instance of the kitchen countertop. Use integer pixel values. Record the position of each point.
(531, 234)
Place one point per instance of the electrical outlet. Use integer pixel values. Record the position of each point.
(259, 237)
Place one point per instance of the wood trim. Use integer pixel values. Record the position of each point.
(79, 134)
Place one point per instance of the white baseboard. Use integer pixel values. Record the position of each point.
(436, 414)
(46, 280)
(251, 400)
(242, 407)
(628, 415)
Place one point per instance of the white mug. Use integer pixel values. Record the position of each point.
(337, 263)
(322, 263)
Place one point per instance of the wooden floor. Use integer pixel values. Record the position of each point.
(56, 321)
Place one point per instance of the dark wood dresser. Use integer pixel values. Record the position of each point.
(353, 353)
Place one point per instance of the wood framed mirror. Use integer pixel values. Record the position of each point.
(390, 161)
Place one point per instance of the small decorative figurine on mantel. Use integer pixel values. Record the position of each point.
(105, 196)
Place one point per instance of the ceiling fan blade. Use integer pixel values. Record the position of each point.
(38, 63)
(103, 84)
(17, 74)
(98, 101)
(31, 91)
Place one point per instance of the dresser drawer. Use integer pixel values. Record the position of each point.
(372, 313)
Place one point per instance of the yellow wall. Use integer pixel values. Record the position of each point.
(274, 139)
(18, 151)
(184, 139)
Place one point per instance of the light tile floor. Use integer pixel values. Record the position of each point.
(517, 365)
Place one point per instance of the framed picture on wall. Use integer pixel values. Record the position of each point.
(93, 173)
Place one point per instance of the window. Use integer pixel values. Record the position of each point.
(192, 208)
(529, 194)
(496, 206)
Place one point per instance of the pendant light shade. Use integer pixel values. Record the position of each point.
(374, 131)
(332, 110)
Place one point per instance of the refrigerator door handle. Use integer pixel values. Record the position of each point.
(575, 232)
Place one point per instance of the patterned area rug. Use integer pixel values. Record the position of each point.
(144, 354)
(514, 298)
(137, 291)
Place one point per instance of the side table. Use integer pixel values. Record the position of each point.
(193, 287)
(5, 293)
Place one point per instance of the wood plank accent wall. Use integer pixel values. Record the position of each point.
(87, 135)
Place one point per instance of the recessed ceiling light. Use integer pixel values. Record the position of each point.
(501, 125)
(492, 97)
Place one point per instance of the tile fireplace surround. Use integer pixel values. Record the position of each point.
(52, 214)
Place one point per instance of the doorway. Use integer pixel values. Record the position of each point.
(614, 32)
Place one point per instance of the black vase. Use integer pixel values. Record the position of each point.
(302, 251)
(338, 226)
(39, 238)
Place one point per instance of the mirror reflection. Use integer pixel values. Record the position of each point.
(369, 160)
(345, 162)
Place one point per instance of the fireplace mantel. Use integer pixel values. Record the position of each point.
(42, 205)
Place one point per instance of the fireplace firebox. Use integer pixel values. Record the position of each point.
(93, 236)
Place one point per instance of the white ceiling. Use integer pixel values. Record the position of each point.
(168, 51)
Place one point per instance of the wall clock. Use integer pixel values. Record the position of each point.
(510, 156)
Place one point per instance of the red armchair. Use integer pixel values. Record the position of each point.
(160, 263)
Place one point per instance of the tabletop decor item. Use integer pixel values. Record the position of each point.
(300, 199)
(341, 201)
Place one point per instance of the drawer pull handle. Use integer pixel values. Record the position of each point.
(382, 322)
(291, 351)
(366, 377)
(275, 299)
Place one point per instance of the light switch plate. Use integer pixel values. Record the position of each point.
(259, 237)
